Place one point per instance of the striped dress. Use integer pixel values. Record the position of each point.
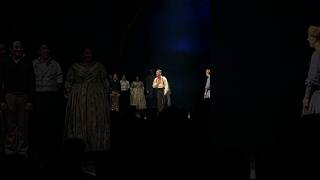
(87, 111)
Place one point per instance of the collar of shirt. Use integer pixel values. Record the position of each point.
(47, 62)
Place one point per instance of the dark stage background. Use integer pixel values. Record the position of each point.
(261, 57)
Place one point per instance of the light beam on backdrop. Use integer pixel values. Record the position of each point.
(181, 46)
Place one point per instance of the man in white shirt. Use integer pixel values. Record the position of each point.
(49, 79)
(160, 84)
(125, 94)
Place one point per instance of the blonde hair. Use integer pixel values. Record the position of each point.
(314, 32)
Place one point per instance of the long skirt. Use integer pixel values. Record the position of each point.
(88, 116)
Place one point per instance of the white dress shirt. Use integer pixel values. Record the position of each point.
(160, 83)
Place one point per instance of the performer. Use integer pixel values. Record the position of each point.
(49, 79)
(87, 112)
(207, 94)
(17, 77)
(115, 89)
(137, 98)
(125, 94)
(161, 86)
(311, 100)
(309, 127)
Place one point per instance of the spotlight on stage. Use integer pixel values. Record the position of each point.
(180, 41)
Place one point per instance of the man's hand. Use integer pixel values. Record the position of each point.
(305, 102)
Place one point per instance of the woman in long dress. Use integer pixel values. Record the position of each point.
(87, 112)
(137, 97)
